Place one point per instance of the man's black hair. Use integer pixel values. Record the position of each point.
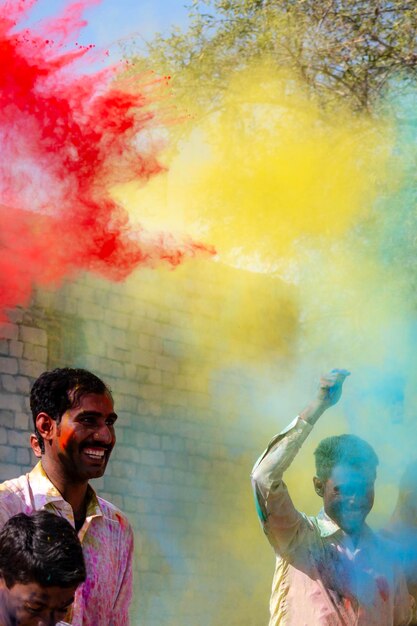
(344, 450)
(58, 390)
(40, 548)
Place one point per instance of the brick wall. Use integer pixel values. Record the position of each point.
(190, 426)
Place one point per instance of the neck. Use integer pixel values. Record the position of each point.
(355, 536)
(73, 492)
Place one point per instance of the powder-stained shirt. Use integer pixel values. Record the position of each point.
(321, 578)
(107, 540)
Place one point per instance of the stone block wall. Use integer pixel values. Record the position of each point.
(23, 356)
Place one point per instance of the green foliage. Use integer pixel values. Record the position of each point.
(341, 49)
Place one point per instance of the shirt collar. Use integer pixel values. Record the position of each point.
(45, 492)
(326, 525)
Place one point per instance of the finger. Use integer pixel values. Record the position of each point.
(335, 378)
(340, 373)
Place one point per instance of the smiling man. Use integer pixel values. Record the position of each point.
(74, 422)
(331, 570)
(41, 566)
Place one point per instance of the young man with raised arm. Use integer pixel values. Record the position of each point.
(332, 569)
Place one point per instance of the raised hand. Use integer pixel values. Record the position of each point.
(330, 388)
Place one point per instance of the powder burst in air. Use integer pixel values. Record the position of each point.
(66, 138)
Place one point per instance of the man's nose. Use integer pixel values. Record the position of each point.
(103, 434)
(355, 497)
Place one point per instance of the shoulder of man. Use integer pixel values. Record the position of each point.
(112, 512)
(392, 548)
(14, 497)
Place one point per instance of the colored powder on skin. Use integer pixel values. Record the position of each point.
(66, 138)
(66, 438)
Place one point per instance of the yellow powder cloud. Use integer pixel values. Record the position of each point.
(264, 170)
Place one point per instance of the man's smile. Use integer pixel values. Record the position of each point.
(94, 452)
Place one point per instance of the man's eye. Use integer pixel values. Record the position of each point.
(87, 420)
(110, 421)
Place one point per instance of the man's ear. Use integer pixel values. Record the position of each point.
(46, 427)
(318, 486)
(34, 444)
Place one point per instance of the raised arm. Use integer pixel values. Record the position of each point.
(281, 521)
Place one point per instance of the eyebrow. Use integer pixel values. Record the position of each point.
(35, 596)
(35, 602)
(95, 414)
(35, 605)
(41, 600)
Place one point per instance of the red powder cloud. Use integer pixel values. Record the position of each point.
(65, 139)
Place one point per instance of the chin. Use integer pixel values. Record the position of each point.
(89, 473)
(96, 473)
(351, 529)
(352, 526)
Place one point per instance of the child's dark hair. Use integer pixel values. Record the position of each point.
(42, 548)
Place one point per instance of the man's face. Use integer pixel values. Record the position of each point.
(34, 605)
(84, 438)
(348, 497)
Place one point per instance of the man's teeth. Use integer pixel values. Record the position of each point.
(96, 453)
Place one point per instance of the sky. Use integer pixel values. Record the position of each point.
(113, 21)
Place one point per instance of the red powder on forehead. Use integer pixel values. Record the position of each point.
(66, 138)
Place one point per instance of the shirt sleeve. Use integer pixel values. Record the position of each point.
(281, 521)
(120, 613)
